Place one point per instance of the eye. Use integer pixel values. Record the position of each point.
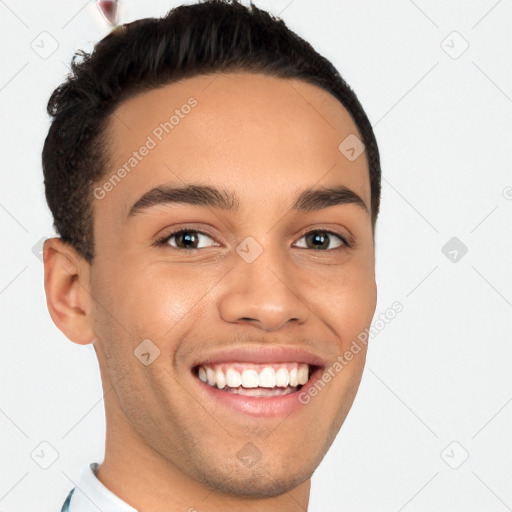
(322, 238)
(185, 239)
(319, 239)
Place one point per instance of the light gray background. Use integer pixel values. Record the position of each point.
(437, 387)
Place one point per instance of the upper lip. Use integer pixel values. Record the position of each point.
(261, 354)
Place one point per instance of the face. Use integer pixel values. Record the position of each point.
(257, 277)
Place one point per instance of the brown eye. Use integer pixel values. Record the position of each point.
(322, 240)
(185, 239)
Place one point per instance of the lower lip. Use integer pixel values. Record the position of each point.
(265, 406)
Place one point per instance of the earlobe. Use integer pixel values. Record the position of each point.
(66, 284)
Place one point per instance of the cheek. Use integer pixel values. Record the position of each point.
(153, 299)
(346, 299)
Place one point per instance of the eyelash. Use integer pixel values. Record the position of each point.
(164, 241)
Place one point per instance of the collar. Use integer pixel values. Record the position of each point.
(91, 495)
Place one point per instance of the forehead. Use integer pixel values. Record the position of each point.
(263, 136)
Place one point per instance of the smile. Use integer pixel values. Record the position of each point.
(262, 390)
(252, 379)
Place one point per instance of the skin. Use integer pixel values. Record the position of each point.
(166, 447)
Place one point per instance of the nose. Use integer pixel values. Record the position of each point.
(264, 293)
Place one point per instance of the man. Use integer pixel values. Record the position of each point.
(215, 184)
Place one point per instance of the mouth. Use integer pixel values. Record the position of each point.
(256, 380)
(261, 390)
(262, 381)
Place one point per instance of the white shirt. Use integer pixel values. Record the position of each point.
(90, 495)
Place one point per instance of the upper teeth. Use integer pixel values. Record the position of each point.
(254, 375)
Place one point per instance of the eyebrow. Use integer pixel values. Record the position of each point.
(311, 199)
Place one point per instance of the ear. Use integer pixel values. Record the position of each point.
(66, 284)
